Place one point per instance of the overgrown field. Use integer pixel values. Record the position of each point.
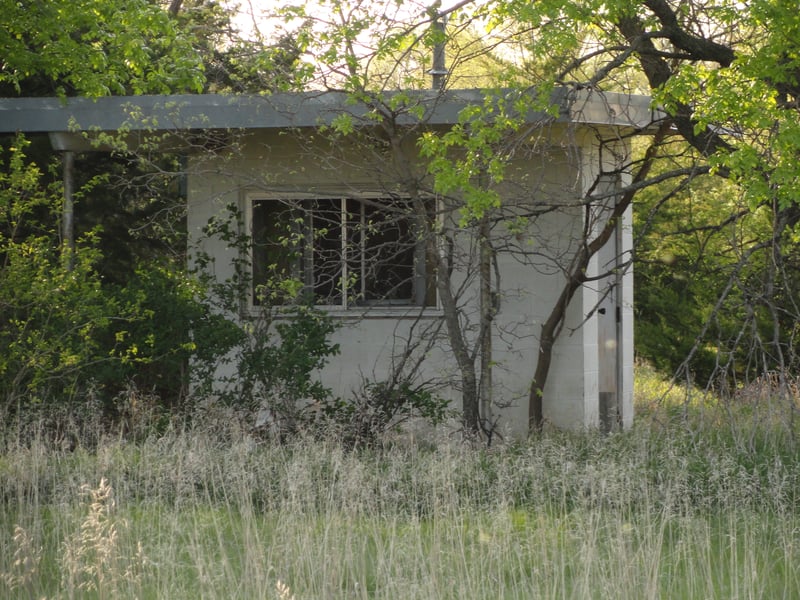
(676, 508)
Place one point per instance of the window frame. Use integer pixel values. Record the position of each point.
(424, 277)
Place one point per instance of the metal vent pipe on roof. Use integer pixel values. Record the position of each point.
(439, 71)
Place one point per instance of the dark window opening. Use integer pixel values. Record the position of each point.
(344, 252)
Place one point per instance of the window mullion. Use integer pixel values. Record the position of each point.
(345, 277)
(420, 288)
(362, 250)
(308, 246)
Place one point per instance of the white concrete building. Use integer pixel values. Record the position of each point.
(278, 166)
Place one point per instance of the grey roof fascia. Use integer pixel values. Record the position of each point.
(207, 111)
(287, 110)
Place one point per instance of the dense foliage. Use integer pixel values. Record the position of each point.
(95, 48)
(69, 334)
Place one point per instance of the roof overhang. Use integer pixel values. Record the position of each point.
(71, 122)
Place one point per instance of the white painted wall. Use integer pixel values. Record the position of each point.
(272, 162)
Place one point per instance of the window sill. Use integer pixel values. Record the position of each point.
(367, 312)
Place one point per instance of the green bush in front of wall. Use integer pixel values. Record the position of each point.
(67, 336)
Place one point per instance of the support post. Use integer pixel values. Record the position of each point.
(68, 211)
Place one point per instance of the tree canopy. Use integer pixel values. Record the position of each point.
(95, 48)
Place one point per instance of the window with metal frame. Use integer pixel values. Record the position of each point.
(344, 252)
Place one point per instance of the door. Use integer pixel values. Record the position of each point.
(609, 329)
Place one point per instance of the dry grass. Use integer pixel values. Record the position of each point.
(664, 511)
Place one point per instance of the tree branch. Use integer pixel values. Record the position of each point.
(697, 47)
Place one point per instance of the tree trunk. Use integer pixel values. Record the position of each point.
(487, 311)
(68, 211)
(577, 276)
(175, 7)
(547, 339)
(470, 393)
(466, 365)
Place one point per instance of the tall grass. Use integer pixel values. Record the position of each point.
(667, 510)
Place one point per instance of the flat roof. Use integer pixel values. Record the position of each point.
(292, 110)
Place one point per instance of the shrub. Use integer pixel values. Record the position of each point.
(382, 406)
(68, 337)
(276, 363)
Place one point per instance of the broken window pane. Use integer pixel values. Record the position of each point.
(326, 268)
(277, 238)
(383, 264)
